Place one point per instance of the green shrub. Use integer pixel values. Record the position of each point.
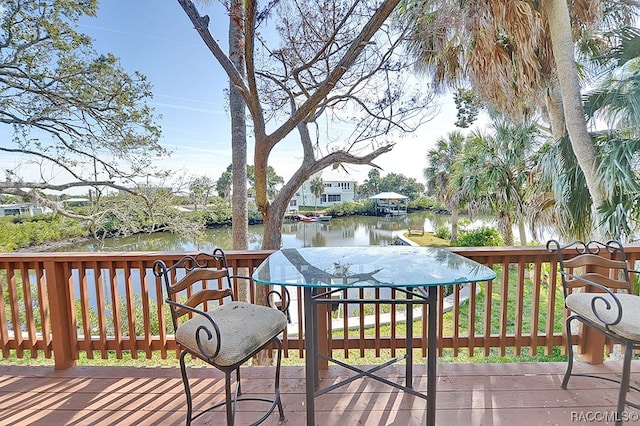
(443, 232)
(218, 212)
(23, 231)
(422, 203)
(347, 208)
(481, 237)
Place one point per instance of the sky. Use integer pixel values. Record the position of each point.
(156, 38)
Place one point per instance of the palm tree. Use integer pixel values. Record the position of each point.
(317, 188)
(519, 58)
(616, 101)
(224, 183)
(563, 199)
(559, 194)
(493, 172)
(441, 161)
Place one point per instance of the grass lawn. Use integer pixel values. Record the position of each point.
(428, 239)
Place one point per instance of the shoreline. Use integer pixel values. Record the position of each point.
(51, 245)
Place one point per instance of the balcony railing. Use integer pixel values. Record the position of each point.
(63, 304)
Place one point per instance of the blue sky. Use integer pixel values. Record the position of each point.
(156, 38)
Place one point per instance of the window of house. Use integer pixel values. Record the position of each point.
(333, 198)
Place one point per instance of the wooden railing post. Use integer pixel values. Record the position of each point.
(591, 348)
(61, 305)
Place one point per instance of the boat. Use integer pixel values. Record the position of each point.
(322, 218)
(307, 218)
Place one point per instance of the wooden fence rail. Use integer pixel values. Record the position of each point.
(63, 304)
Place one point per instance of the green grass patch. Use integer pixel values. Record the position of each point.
(428, 240)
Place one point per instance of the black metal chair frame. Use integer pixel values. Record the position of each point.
(611, 256)
(217, 262)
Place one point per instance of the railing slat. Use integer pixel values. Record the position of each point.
(552, 284)
(117, 311)
(130, 301)
(102, 310)
(110, 287)
(146, 310)
(519, 302)
(535, 305)
(43, 309)
(29, 320)
(472, 318)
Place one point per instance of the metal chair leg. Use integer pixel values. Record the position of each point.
(187, 389)
(277, 383)
(239, 390)
(624, 382)
(230, 400)
(567, 374)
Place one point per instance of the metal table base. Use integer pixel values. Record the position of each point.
(422, 296)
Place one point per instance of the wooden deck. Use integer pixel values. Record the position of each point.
(468, 394)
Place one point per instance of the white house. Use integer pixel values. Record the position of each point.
(338, 188)
(22, 209)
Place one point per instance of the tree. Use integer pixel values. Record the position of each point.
(563, 199)
(200, 190)
(274, 181)
(468, 106)
(79, 120)
(493, 171)
(397, 182)
(317, 188)
(223, 184)
(519, 58)
(371, 184)
(559, 23)
(330, 61)
(442, 159)
(614, 103)
(237, 110)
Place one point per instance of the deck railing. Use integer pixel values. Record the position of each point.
(63, 304)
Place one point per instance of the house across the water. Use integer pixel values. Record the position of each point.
(22, 209)
(338, 188)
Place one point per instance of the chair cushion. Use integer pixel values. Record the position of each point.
(629, 325)
(244, 328)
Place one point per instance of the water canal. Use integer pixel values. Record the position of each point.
(340, 231)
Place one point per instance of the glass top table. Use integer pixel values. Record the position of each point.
(375, 266)
(415, 273)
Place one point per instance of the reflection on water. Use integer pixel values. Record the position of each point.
(341, 231)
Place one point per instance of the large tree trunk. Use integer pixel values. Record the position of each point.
(239, 220)
(454, 222)
(555, 114)
(506, 227)
(522, 229)
(238, 132)
(272, 239)
(563, 46)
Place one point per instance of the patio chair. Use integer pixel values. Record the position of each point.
(211, 326)
(598, 293)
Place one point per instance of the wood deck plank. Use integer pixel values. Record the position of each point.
(470, 394)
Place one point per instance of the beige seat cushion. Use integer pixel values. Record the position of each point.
(629, 325)
(244, 328)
